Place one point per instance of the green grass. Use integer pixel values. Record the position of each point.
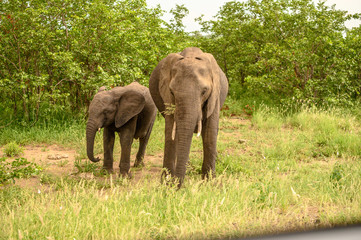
(275, 172)
(65, 133)
(228, 206)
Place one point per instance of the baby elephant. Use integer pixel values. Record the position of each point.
(130, 111)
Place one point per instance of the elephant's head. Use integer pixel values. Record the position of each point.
(111, 108)
(191, 81)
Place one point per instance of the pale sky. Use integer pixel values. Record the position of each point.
(209, 8)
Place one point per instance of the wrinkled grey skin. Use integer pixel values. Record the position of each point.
(195, 84)
(131, 112)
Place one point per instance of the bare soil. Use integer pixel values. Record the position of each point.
(60, 162)
(49, 157)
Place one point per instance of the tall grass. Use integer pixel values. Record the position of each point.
(55, 131)
(228, 206)
(276, 172)
(310, 133)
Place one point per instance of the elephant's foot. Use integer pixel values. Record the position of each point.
(107, 170)
(139, 163)
(208, 175)
(170, 180)
(165, 176)
(126, 174)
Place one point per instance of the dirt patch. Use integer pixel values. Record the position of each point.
(239, 120)
(234, 123)
(54, 159)
(60, 162)
(57, 160)
(152, 168)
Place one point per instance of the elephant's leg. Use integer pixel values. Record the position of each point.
(108, 145)
(170, 153)
(126, 135)
(142, 146)
(209, 137)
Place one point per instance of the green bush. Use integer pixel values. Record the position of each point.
(12, 149)
(19, 168)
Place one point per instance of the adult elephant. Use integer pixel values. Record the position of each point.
(128, 110)
(195, 84)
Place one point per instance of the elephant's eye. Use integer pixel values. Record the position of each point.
(204, 91)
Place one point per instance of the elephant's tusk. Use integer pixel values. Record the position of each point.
(199, 128)
(173, 131)
(98, 130)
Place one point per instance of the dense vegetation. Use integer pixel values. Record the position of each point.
(55, 54)
(292, 49)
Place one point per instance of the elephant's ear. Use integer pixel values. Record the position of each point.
(213, 100)
(131, 103)
(166, 76)
(160, 79)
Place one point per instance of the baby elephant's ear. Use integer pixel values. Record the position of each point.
(131, 103)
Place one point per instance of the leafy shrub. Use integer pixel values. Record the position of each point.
(19, 168)
(88, 167)
(12, 149)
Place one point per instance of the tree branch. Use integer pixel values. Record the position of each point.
(10, 62)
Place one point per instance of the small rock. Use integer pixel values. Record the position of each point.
(86, 175)
(57, 156)
(240, 141)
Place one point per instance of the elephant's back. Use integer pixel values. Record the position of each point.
(135, 86)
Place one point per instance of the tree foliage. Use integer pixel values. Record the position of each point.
(55, 54)
(287, 49)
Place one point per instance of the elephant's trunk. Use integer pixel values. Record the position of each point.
(185, 125)
(91, 130)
